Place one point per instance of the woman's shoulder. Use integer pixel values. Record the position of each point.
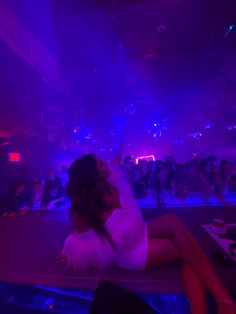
(105, 214)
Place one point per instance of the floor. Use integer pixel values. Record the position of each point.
(194, 199)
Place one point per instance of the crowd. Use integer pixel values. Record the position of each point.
(158, 180)
(153, 180)
(47, 192)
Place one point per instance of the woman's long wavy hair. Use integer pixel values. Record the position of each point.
(86, 190)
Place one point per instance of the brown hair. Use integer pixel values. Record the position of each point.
(85, 189)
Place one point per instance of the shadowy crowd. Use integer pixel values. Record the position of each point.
(162, 179)
(150, 180)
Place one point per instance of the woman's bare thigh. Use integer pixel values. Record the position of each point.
(164, 226)
(161, 252)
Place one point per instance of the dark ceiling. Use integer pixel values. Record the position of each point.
(70, 62)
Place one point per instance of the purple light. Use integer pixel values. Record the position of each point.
(5, 143)
(178, 141)
(158, 128)
(161, 28)
(130, 109)
(82, 134)
(208, 125)
(195, 135)
(231, 27)
(231, 127)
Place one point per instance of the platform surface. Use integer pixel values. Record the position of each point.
(29, 246)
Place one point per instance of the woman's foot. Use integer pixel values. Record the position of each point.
(225, 306)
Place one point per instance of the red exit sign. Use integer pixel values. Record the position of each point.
(14, 157)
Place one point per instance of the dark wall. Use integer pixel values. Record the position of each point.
(36, 158)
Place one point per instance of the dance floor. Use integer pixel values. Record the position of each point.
(29, 246)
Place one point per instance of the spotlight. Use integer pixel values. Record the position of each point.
(208, 125)
(231, 127)
(196, 135)
(161, 28)
(130, 109)
(231, 27)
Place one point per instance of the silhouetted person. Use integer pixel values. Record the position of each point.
(16, 198)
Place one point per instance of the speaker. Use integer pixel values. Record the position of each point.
(112, 299)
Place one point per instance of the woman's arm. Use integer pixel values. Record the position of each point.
(118, 151)
(119, 125)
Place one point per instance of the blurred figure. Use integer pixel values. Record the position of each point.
(143, 165)
(37, 193)
(201, 179)
(232, 183)
(150, 179)
(63, 175)
(181, 182)
(127, 167)
(227, 170)
(170, 164)
(53, 192)
(138, 185)
(53, 196)
(16, 200)
(207, 171)
(162, 185)
(53, 180)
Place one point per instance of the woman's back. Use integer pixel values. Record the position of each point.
(124, 238)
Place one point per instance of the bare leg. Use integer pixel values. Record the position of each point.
(162, 252)
(207, 191)
(194, 290)
(171, 227)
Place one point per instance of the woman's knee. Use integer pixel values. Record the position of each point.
(175, 222)
(173, 219)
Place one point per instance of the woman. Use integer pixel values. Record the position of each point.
(37, 193)
(16, 201)
(108, 227)
(226, 171)
(190, 177)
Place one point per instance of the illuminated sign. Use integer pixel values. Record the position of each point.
(14, 157)
(146, 158)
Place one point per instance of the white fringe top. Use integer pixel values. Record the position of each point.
(88, 250)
